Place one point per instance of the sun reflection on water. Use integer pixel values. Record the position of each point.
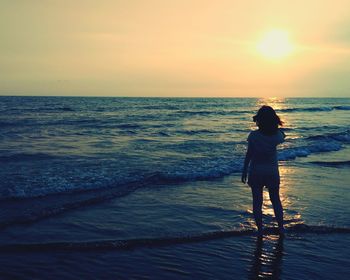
(291, 217)
(281, 106)
(278, 103)
(267, 258)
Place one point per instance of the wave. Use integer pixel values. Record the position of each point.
(342, 108)
(212, 112)
(67, 199)
(49, 205)
(131, 244)
(199, 131)
(42, 122)
(42, 206)
(203, 170)
(159, 107)
(317, 144)
(343, 136)
(64, 109)
(292, 153)
(49, 108)
(53, 184)
(332, 163)
(11, 124)
(25, 157)
(162, 133)
(208, 167)
(82, 123)
(128, 126)
(314, 109)
(191, 169)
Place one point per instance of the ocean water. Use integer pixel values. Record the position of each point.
(149, 188)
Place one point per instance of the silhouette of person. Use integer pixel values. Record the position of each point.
(261, 164)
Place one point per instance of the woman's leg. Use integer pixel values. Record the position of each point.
(277, 205)
(257, 192)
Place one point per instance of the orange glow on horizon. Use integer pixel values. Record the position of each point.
(177, 49)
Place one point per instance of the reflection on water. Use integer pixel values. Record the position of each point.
(277, 103)
(267, 258)
(291, 217)
(291, 212)
(285, 173)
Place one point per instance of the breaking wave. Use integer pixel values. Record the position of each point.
(188, 169)
(315, 109)
(130, 244)
(332, 163)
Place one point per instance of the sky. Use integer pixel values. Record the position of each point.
(199, 48)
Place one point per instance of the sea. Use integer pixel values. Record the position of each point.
(149, 188)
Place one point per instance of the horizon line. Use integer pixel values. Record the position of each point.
(198, 97)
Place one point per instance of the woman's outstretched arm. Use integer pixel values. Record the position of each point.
(247, 159)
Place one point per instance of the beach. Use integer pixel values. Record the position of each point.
(149, 188)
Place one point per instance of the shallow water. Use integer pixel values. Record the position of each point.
(150, 188)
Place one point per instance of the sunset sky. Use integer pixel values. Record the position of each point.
(206, 48)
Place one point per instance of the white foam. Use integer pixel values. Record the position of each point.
(292, 153)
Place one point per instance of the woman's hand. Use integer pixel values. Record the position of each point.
(244, 177)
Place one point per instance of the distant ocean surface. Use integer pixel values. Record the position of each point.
(150, 188)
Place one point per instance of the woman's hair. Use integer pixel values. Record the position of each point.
(267, 120)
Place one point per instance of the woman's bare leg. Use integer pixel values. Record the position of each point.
(277, 206)
(257, 192)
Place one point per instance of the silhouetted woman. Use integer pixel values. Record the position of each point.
(261, 158)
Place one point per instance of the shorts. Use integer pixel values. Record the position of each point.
(263, 179)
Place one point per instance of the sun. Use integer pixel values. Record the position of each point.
(275, 45)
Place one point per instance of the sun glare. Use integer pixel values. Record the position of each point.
(275, 45)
